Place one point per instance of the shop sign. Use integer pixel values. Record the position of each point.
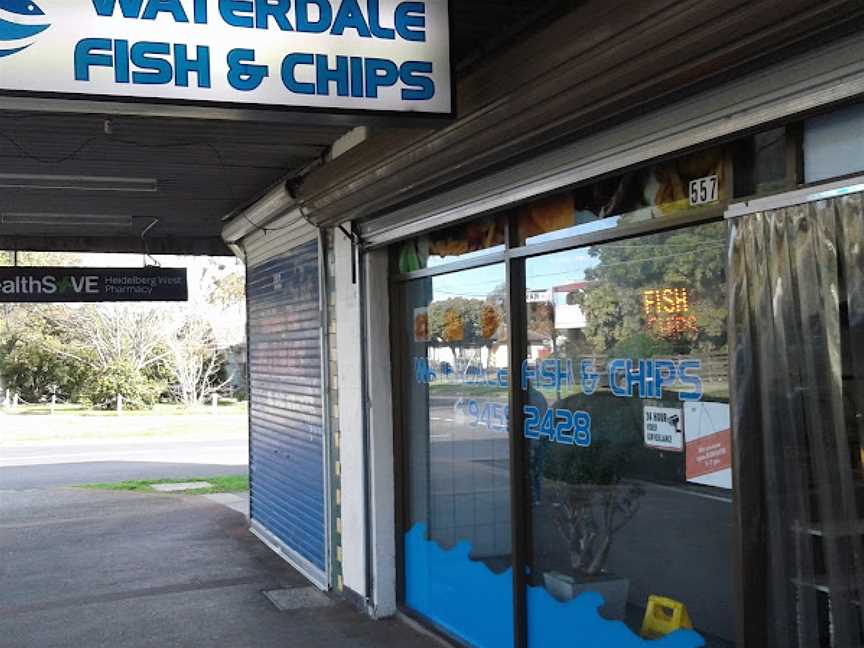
(46, 285)
(708, 447)
(662, 429)
(667, 311)
(378, 55)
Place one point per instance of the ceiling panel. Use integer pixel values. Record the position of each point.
(205, 169)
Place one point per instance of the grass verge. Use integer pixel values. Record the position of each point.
(221, 484)
(161, 409)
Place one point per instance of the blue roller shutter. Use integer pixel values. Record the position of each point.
(286, 463)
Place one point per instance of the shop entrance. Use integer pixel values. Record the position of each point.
(664, 389)
(797, 311)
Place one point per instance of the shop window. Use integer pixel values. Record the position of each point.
(464, 241)
(760, 163)
(834, 144)
(627, 423)
(692, 182)
(455, 422)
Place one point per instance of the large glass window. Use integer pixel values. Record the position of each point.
(629, 458)
(455, 420)
(694, 182)
(834, 144)
(460, 242)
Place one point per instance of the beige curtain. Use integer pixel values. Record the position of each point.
(797, 352)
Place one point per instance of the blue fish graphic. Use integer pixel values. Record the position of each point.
(21, 7)
(15, 31)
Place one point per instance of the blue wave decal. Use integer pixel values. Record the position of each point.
(14, 50)
(15, 31)
(552, 624)
(22, 7)
(461, 595)
(466, 598)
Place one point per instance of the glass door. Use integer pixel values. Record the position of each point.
(627, 423)
(455, 420)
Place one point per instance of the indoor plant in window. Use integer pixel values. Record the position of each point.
(591, 503)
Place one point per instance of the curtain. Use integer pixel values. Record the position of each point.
(797, 359)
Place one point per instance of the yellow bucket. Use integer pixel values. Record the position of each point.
(664, 616)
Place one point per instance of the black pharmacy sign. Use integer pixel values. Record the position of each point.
(21, 284)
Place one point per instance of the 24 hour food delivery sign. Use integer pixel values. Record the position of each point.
(380, 55)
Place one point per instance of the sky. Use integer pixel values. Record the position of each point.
(543, 272)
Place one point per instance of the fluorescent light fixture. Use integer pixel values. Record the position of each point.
(68, 220)
(77, 183)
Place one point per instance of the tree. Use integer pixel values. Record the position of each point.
(18, 319)
(612, 313)
(200, 335)
(457, 322)
(121, 379)
(140, 351)
(108, 335)
(41, 259)
(228, 289)
(195, 361)
(121, 346)
(691, 259)
(30, 366)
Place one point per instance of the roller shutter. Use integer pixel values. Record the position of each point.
(287, 463)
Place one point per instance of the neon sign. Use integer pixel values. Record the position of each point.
(667, 311)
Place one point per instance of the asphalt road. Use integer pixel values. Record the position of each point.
(49, 465)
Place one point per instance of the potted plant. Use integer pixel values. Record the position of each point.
(591, 503)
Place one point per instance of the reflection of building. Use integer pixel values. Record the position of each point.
(568, 314)
(485, 356)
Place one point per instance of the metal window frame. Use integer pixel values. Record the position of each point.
(811, 193)
(514, 257)
(327, 431)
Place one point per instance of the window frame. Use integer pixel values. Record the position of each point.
(514, 257)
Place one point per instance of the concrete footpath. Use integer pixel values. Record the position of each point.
(92, 569)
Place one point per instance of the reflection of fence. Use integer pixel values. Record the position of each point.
(715, 368)
(12, 401)
(472, 368)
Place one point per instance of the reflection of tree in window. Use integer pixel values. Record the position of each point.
(615, 302)
(461, 323)
(455, 322)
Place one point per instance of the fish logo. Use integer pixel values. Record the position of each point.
(13, 32)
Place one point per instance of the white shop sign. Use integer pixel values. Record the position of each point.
(663, 429)
(377, 55)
